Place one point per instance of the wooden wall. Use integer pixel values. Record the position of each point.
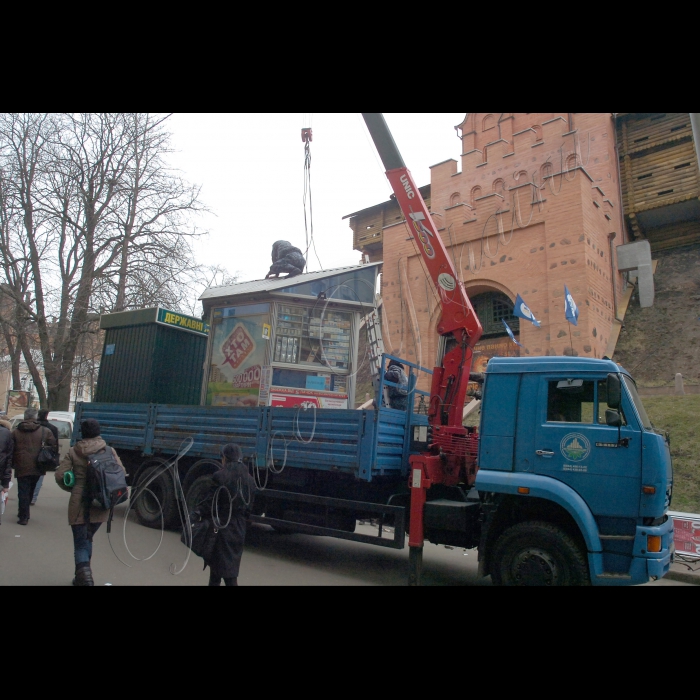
(658, 168)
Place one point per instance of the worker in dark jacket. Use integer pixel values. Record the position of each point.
(6, 449)
(398, 395)
(229, 507)
(43, 419)
(28, 439)
(286, 259)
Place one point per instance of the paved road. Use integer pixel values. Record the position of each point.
(42, 554)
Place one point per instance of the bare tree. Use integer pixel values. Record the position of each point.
(153, 219)
(18, 246)
(201, 278)
(95, 217)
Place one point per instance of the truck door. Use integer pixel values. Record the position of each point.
(573, 444)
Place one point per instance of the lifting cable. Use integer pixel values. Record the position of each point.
(307, 138)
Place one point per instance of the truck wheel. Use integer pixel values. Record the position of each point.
(538, 554)
(201, 486)
(159, 494)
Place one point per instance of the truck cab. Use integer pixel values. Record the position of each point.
(575, 481)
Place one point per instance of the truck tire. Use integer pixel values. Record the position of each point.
(538, 554)
(200, 487)
(148, 509)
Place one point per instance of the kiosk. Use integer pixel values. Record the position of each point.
(287, 341)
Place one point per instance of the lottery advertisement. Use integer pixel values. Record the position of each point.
(291, 398)
(686, 534)
(237, 361)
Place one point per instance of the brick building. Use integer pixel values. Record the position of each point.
(534, 206)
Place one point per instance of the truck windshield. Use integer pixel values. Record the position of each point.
(632, 388)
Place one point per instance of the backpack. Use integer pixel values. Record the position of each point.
(47, 459)
(105, 483)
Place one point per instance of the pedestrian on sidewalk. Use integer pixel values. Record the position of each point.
(228, 503)
(6, 450)
(28, 438)
(43, 419)
(83, 528)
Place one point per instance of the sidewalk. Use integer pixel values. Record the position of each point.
(681, 572)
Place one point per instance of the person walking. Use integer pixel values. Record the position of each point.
(83, 528)
(43, 419)
(28, 438)
(228, 504)
(6, 450)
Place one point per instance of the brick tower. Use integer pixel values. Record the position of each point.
(535, 206)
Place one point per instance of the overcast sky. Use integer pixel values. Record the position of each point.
(250, 167)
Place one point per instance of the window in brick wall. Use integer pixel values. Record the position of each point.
(475, 194)
(493, 308)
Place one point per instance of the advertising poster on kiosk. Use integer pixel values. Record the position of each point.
(291, 398)
(238, 352)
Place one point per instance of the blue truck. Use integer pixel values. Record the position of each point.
(573, 483)
(565, 482)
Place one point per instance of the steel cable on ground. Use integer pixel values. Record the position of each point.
(172, 466)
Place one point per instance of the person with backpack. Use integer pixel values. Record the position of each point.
(85, 519)
(43, 419)
(228, 504)
(29, 438)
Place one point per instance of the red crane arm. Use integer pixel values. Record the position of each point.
(458, 322)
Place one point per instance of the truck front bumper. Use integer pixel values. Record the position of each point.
(645, 565)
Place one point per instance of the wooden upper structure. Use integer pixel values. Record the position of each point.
(659, 178)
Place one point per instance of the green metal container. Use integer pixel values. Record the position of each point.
(152, 356)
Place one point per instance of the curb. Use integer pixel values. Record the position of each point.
(684, 576)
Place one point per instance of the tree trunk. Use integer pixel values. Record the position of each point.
(120, 304)
(59, 397)
(33, 370)
(13, 351)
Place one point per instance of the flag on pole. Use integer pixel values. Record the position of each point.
(571, 308)
(522, 310)
(510, 333)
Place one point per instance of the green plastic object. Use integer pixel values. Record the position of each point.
(69, 479)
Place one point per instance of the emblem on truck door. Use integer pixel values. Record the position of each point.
(575, 447)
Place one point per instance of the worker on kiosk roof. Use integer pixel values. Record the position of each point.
(286, 258)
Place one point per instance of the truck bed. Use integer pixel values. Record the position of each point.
(366, 443)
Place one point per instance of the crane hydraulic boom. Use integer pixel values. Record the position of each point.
(458, 324)
(450, 458)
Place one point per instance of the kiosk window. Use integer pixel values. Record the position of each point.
(313, 338)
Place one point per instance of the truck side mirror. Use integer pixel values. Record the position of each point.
(612, 418)
(614, 392)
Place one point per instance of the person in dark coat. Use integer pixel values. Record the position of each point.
(7, 446)
(43, 419)
(286, 258)
(228, 503)
(28, 439)
(398, 395)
